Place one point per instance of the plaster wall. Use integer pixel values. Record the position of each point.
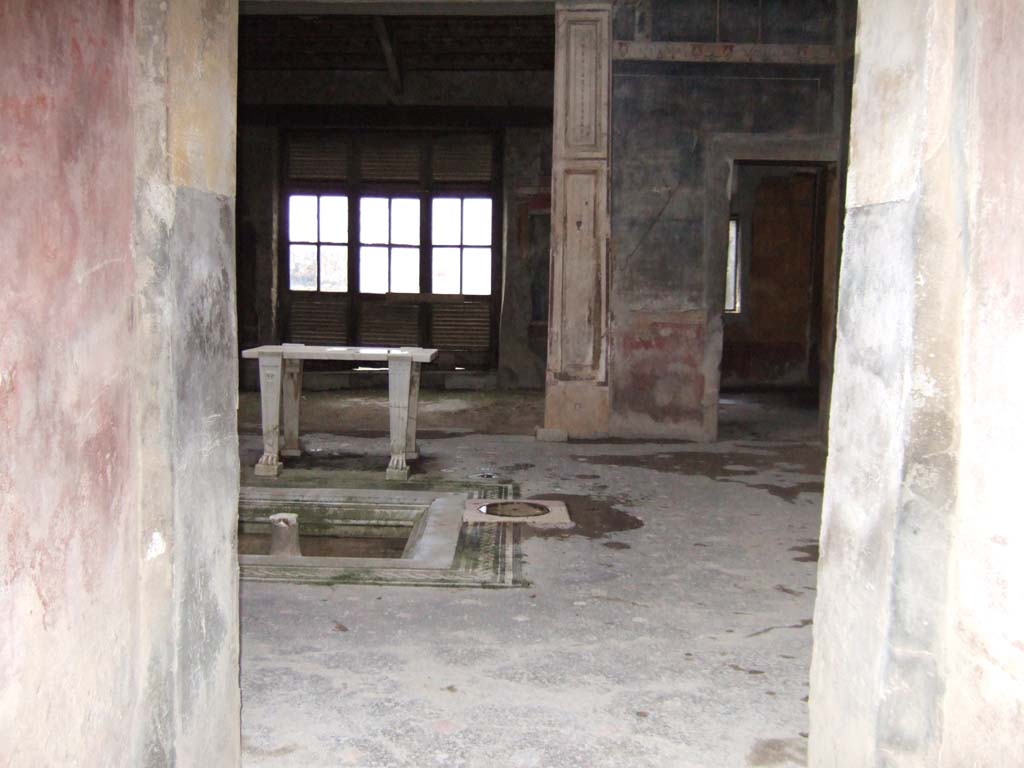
(118, 628)
(917, 660)
(984, 702)
(186, 352)
(258, 190)
(70, 613)
(522, 347)
(735, 21)
(666, 324)
(453, 89)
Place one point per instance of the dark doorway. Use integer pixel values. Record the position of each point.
(773, 318)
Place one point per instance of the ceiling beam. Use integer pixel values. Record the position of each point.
(388, 48)
(724, 53)
(398, 7)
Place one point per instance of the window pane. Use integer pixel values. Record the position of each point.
(476, 222)
(476, 271)
(302, 267)
(302, 218)
(405, 221)
(373, 270)
(445, 270)
(446, 222)
(334, 268)
(373, 220)
(405, 270)
(333, 219)
(732, 293)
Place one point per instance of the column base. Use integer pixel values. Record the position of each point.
(545, 435)
(577, 408)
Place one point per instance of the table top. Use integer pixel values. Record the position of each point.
(311, 352)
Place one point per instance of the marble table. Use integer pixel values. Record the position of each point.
(281, 390)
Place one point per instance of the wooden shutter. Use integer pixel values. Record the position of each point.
(389, 325)
(464, 158)
(390, 159)
(317, 155)
(464, 327)
(318, 318)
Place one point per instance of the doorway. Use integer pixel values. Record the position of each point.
(778, 313)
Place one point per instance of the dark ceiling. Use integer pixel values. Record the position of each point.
(419, 42)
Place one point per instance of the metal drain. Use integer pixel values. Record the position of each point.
(514, 509)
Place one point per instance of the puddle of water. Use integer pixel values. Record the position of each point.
(594, 517)
(517, 467)
(809, 553)
(735, 466)
(767, 752)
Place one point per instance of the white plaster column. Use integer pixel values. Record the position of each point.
(576, 401)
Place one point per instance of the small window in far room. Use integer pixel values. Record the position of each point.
(318, 243)
(732, 269)
(461, 235)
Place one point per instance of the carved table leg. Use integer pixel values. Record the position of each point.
(399, 381)
(269, 464)
(412, 450)
(290, 396)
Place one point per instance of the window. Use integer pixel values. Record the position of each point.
(461, 237)
(732, 269)
(389, 245)
(318, 243)
(372, 221)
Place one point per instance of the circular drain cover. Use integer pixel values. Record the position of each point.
(514, 509)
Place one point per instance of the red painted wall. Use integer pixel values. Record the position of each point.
(69, 545)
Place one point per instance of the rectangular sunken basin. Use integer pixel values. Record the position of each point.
(346, 530)
(331, 543)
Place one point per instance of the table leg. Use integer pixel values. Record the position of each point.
(412, 450)
(290, 396)
(399, 381)
(269, 464)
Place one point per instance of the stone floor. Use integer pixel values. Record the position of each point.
(684, 642)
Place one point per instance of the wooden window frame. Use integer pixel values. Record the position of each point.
(288, 243)
(461, 245)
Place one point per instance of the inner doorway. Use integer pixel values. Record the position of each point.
(779, 309)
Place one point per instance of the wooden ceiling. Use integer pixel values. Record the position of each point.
(420, 43)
